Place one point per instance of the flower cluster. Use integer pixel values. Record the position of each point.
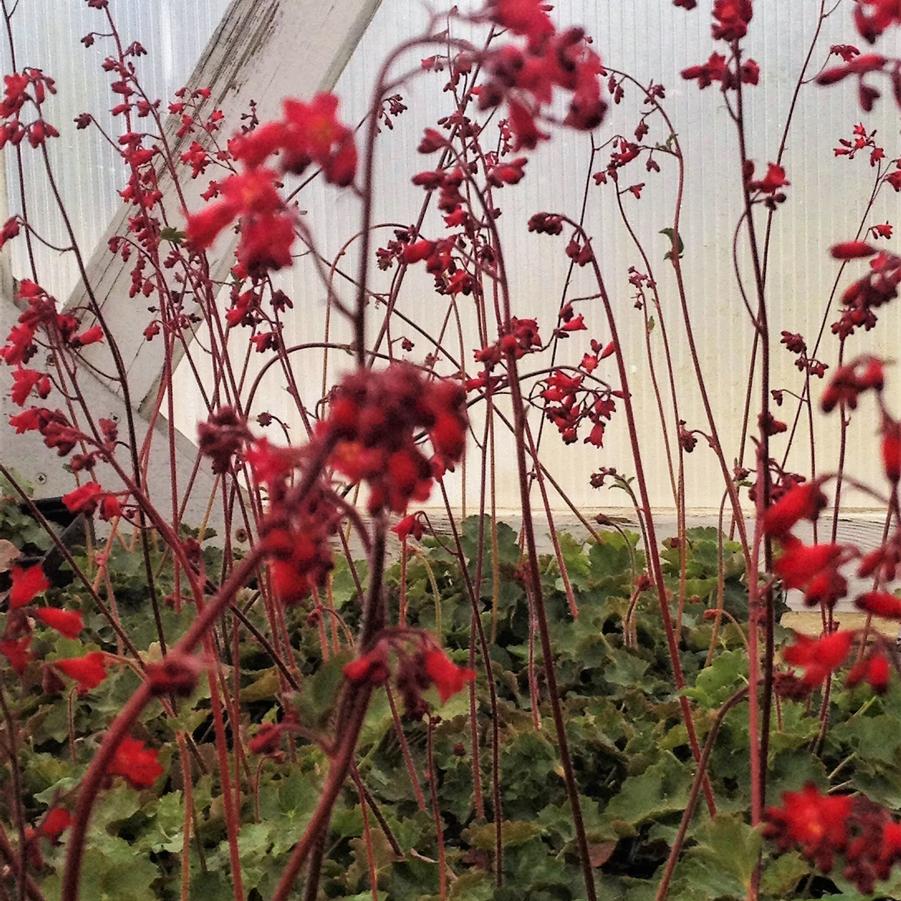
(307, 133)
(813, 569)
(819, 657)
(850, 381)
(873, 17)
(21, 90)
(860, 140)
(418, 662)
(570, 402)
(526, 78)
(372, 426)
(859, 67)
(731, 19)
(796, 344)
(27, 583)
(863, 296)
(823, 826)
(297, 528)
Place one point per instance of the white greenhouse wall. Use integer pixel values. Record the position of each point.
(647, 38)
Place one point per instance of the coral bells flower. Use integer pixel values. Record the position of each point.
(84, 499)
(409, 525)
(446, 676)
(267, 231)
(819, 656)
(311, 133)
(17, 652)
(372, 423)
(528, 18)
(814, 823)
(772, 182)
(66, 622)
(813, 569)
(880, 603)
(88, 671)
(371, 667)
(874, 670)
(891, 450)
(55, 823)
(27, 380)
(526, 80)
(803, 501)
(851, 380)
(873, 17)
(27, 583)
(732, 19)
(823, 826)
(221, 437)
(852, 250)
(136, 763)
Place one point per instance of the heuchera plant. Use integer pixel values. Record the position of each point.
(387, 437)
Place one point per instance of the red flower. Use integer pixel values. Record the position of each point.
(873, 17)
(204, 226)
(874, 670)
(819, 656)
(267, 738)
(880, 603)
(136, 763)
(891, 450)
(371, 667)
(27, 583)
(526, 17)
(852, 250)
(418, 251)
(83, 499)
(312, 133)
(772, 181)
(812, 568)
(88, 671)
(17, 651)
(732, 19)
(27, 380)
(445, 674)
(57, 820)
(817, 824)
(409, 525)
(89, 336)
(803, 501)
(851, 380)
(251, 193)
(66, 622)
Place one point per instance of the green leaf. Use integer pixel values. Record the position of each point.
(715, 683)
(170, 233)
(513, 833)
(781, 876)
(676, 244)
(318, 694)
(661, 789)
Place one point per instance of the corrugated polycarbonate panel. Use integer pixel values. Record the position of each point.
(648, 39)
(47, 36)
